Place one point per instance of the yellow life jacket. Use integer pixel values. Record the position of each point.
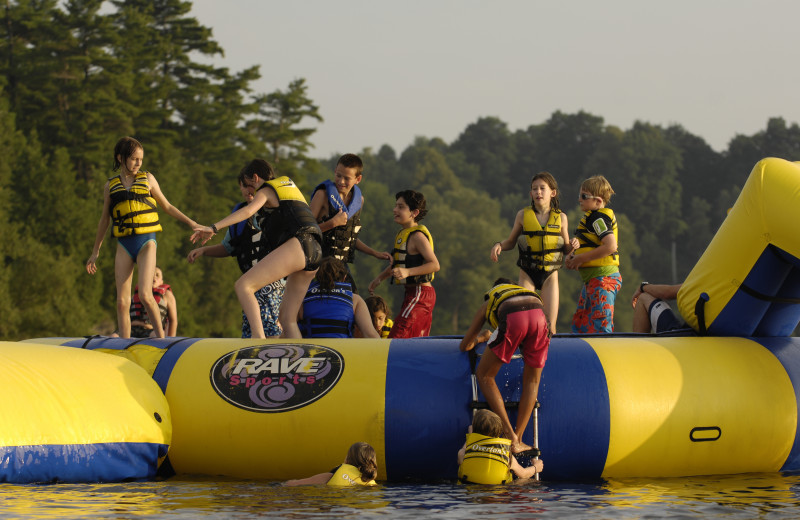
(286, 189)
(387, 328)
(588, 237)
(500, 293)
(540, 248)
(486, 460)
(133, 211)
(347, 475)
(402, 259)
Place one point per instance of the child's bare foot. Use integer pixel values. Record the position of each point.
(519, 447)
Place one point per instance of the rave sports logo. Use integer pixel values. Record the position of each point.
(278, 377)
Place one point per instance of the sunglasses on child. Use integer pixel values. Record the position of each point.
(586, 196)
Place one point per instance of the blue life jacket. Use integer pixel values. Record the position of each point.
(328, 314)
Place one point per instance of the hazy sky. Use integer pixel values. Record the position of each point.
(384, 72)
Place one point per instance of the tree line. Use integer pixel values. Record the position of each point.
(75, 77)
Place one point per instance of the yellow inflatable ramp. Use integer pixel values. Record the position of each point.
(747, 283)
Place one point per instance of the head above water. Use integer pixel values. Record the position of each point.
(362, 456)
(486, 422)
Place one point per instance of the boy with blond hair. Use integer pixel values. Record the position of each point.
(596, 259)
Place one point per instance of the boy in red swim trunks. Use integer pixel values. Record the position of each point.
(518, 318)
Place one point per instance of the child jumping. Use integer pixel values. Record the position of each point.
(414, 263)
(485, 457)
(517, 315)
(293, 238)
(359, 469)
(129, 206)
(596, 259)
(337, 207)
(243, 240)
(540, 233)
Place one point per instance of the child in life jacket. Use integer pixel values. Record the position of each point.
(243, 240)
(517, 317)
(379, 310)
(596, 259)
(414, 264)
(486, 456)
(331, 309)
(292, 237)
(337, 205)
(540, 232)
(360, 468)
(129, 206)
(167, 306)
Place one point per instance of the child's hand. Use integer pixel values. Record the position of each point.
(91, 264)
(383, 255)
(575, 243)
(400, 273)
(194, 254)
(340, 219)
(483, 336)
(202, 233)
(494, 254)
(572, 261)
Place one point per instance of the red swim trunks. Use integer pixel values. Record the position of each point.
(414, 320)
(526, 329)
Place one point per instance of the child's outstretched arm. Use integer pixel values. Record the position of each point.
(319, 478)
(386, 273)
(204, 233)
(169, 209)
(215, 251)
(102, 228)
(508, 243)
(364, 248)
(471, 337)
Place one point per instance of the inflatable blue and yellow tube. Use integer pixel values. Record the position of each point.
(72, 415)
(612, 406)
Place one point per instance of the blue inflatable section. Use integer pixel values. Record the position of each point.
(102, 462)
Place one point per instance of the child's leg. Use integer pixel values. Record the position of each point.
(146, 260)
(123, 273)
(525, 281)
(530, 389)
(280, 263)
(296, 289)
(550, 301)
(487, 370)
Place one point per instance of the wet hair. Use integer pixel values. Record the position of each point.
(258, 167)
(414, 200)
(362, 456)
(502, 281)
(486, 422)
(124, 149)
(331, 270)
(351, 160)
(599, 187)
(548, 178)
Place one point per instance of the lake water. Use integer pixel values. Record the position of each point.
(761, 495)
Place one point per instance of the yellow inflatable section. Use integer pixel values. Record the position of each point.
(747, 283)
(73, 415)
